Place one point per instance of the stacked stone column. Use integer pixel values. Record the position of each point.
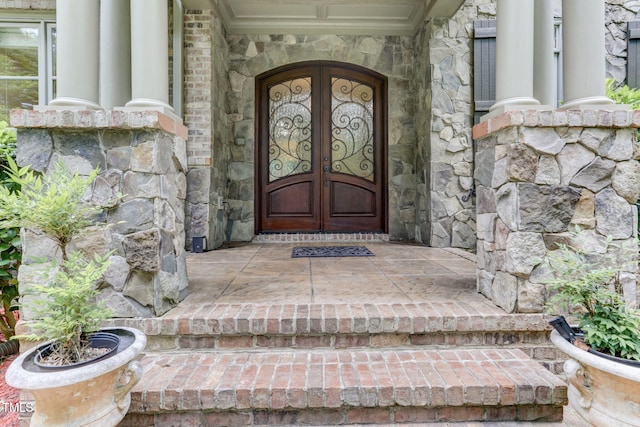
(141, 155)
(540, 173)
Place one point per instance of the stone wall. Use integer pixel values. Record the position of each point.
(142, 156)
(618, 13)
(539, 174)
(206, 115)
(431, 113)
(444, 81)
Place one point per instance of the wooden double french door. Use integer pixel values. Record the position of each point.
(321, 157)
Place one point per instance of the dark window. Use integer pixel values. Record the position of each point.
(633, 54)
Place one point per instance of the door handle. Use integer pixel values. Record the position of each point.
(325, 168)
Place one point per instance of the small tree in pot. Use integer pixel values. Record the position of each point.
(56, 204)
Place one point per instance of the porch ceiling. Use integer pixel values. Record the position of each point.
(349, 17)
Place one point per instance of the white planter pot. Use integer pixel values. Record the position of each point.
(603, 392)
(97, 394)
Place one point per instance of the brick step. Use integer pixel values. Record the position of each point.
(336, 387)
(345, 326)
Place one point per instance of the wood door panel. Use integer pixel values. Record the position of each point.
(351, 200)
(321, 149)
(295, 199)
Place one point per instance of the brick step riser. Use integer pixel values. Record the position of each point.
(346, 416)
(314, 319)
(341, 341)
(534, 343)
(337, 387)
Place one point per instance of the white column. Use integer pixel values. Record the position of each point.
(514, 55)
(150, 55)
(583, 53)
(545, 81)
(78, 23)
(115, 53)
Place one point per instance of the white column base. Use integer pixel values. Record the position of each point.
(146, 104)
(68, 103)
(593, 103)
(501, 109)
(514, 101)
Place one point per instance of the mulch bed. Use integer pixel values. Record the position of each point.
(8, 395)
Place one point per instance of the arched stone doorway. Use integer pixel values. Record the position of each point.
(321, 162)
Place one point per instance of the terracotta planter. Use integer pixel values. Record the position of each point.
(97, 394)
(603, 392)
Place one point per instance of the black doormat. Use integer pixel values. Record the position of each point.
(330, 251)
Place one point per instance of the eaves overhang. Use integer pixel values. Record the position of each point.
(339, 17)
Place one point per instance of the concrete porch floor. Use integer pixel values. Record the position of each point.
(398, 273)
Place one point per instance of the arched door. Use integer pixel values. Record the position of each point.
(321, 158)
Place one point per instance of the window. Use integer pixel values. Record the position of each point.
(27, 64)
(633, 54)
(484, 46)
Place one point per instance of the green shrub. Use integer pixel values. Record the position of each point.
(587, 283)
(66, 310)
(10, 245)
(631, 97)
(55, 205)
(623, 94)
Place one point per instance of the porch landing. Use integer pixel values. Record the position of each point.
(399, 338)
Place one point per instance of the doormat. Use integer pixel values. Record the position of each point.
(330, 251)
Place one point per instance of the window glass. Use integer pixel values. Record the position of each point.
(19, 51)
(27, 67)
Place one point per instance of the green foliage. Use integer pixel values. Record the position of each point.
(53, 203)
(7, 140)
(613, 329)
(66, 310)
(631, 97)
(10, 258)
(56, 205)
(623, 94)
(10, 247)
(587, 283)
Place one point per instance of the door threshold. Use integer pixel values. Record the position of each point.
(320, 237)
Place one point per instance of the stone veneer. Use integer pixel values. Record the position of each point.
(538, 174)
(142, 156)
(207, 117)
(430, 145)
(251, 55)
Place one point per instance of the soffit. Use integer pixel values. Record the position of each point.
(351, 17)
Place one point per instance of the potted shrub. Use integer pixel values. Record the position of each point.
(79, 375)
(603, 369)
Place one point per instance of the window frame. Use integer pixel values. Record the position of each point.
(46, 24)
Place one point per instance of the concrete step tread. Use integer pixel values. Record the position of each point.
(296, 319)
(282, 380)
